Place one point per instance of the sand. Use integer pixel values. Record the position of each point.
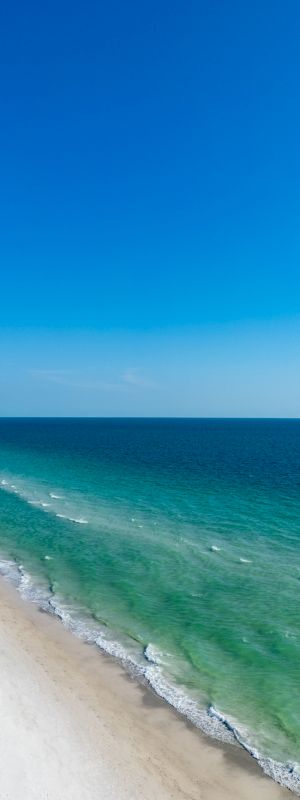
(74, 726)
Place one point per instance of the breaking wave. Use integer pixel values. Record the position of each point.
(147, 666)
(40, 503)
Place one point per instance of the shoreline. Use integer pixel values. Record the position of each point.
(76, 725)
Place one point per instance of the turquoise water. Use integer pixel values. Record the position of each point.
(175, 545)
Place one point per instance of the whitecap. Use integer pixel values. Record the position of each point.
(38, 503)
(245, 561)
(55, 496)
(210, 720)
(215, 548)
(152, 654)
(78, 520)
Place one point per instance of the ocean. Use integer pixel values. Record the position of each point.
(174, 545)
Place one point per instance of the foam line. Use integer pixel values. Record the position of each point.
(147, 667)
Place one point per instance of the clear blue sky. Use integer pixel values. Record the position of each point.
(150, 208)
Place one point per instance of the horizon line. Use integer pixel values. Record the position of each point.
(144, 417)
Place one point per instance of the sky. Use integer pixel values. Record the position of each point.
(150, 208)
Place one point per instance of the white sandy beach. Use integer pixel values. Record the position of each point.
(75, 727)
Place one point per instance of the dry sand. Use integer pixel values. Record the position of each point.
(74, 726)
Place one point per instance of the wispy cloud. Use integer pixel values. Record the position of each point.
(75, 380)
(133, 377)
(53, 375)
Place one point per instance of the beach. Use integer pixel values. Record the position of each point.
(75, 725)
(167, 561)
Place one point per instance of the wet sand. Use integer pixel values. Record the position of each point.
(75, 726)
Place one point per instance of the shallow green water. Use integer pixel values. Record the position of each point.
(178, 542)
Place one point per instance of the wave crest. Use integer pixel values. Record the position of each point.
(210, 720)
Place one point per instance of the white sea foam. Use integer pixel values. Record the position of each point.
(48, 558)
(30, 590)
(9, 571)
(115, 649)
(78, 520)
(245, 561)
(286, 774)
(210, 719)
(42, 504)
(215, 548)
(60, 612)
(152, 654)
(38, 503)
(185, 705)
